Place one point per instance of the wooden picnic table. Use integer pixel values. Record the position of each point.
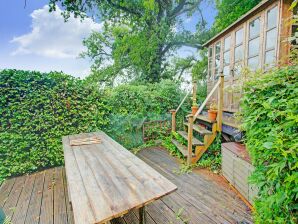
(105, 180)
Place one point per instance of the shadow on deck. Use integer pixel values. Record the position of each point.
(201, 197)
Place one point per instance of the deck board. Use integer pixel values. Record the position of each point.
(199, 198)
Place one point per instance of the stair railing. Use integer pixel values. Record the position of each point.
(219, 86)
(174, 112)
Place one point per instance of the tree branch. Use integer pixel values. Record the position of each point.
(125, 9)
(180, 44)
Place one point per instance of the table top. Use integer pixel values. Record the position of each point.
(105, 180)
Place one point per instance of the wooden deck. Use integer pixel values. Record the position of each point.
(201, 197)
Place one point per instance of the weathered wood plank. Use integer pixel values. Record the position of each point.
(70, 218)
(23, 203)
(195, 141)
(77, 192)
(5, 189)
(46, 209)
(33, 213)
(60, 211)
(12, 200)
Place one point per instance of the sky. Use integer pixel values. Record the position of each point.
(31, 38)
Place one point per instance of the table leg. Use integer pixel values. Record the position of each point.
(142, 215)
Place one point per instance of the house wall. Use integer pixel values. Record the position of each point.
(263, 50)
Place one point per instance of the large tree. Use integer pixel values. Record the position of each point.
(139, 36)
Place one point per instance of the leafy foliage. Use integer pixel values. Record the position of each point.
(294, 38)
(211, 159)
(270, 115)
(133, 104)
(36, 111)
(229, 11)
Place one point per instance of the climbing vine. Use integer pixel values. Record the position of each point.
(270, 119)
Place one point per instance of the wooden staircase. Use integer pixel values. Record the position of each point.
(196, 148)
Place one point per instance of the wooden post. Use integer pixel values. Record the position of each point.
(142, 215)
(189, 138)
(194, 92)
(173, 112)
(220, 103)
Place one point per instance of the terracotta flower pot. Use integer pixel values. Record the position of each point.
(212, 114)
(194, 109)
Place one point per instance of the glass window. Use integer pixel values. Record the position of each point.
(227, 58)
(227, 44)
(217, 59)
(239, 53)
(254, 28)
(210, 52)
(238, 68)
(272, 18)
(253, 47)
(271, 39)
(210, 62)
(239, 37)
(226, 70)
(270, 57)
(217, 48)
(253, 63)
(217, 64)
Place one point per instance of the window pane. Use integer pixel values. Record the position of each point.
(270, 57)
(239, 36)
(239, 53)
(272, 18)
(227, 43)
(253, 47)
(253, 63)
(226, 70)
(238, 68)
(217, 48)
(227, 58)
(271, 38)
(210, 51)
(210, 67)
(254, 28)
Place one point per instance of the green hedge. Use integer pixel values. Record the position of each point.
(270, 113)
(36, 111)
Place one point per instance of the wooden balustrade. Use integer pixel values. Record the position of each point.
(189, 138)
(174, 112)
(220, 103)
(219, 86)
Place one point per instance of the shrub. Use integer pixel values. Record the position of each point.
(133, 104)
(270, 113)
(36, 110)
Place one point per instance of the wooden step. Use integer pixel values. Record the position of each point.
(205, 118)
(199, 129)
(195, 141)
(181, 148)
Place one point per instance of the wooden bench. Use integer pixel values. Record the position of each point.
(106, 181)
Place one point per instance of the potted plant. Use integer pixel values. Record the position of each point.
(194, 108)
(212, 112)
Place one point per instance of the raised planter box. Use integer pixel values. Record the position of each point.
(236, 168)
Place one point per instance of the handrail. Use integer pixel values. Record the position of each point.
(206, 100)
(182, 102)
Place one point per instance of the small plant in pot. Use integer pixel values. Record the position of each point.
(212, 112)
(194, 108)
